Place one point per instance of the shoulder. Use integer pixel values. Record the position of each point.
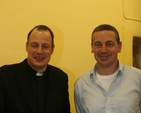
(56, 71)
(129, 69)
(8, 67)
(85, 78)
(130, 72)
(51, 67)
(11, 66)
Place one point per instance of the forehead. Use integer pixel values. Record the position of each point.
(40, 35)
(105, 35)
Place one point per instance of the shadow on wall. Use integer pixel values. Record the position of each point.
(56, 58)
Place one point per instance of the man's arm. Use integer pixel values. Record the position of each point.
(77, 101)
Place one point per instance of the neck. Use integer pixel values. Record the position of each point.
(107, 70)
(38, 69)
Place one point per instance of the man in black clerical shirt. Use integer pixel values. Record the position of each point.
(34, 86)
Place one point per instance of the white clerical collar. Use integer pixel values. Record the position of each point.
(39, 74)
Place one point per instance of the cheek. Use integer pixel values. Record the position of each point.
(30, 51)
(116, 50)
(48, 52)
(95, 50)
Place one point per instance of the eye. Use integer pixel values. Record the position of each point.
(34, 45)
(45, 46)
(97, 44)
(109, 44)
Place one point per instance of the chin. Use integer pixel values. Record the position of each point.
(37, 64)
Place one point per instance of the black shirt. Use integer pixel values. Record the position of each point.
(39, 88)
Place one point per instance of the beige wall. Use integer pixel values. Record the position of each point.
(131, 27)
(72, 23)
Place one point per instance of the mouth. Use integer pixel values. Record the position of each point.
(104, 57)
(39, 58)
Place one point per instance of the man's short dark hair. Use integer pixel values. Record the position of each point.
(42, 28)
(108, 27)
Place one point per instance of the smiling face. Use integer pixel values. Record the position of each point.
(105, 48)
(39, 48)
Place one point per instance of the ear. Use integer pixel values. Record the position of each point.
(52, 49)
(26, 46)
(120, 47)
(92, 47)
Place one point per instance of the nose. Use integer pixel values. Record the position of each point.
(103, 49)
(39, 50)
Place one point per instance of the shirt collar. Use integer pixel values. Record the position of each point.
(93, 71)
